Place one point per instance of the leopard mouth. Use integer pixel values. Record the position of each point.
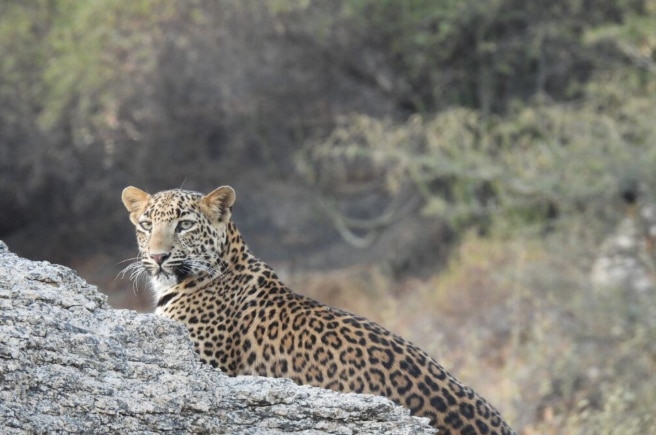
(180, 270)
(159, 271)
(163, 273)
(177, 270)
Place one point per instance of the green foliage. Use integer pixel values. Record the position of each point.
(88, 60)
(486, 54)
(19, 44)
(535, 164)
(538, 159)
(286, 6)
(22, 58)
(66, 70)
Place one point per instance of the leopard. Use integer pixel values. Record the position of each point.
(244, 320)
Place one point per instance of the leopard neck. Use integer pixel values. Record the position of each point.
(236, 251)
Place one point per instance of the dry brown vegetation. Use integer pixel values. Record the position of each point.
(519, 320)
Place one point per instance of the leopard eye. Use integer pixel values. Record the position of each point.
(146, 225)
(185, 225)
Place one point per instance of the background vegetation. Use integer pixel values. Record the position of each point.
(450, 169)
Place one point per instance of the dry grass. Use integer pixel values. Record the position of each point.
(519, 322)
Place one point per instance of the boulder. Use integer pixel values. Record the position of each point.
(70, 363)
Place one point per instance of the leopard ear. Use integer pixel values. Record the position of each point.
(135, 200)
(217, 205)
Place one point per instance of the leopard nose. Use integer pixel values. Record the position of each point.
(160, 257)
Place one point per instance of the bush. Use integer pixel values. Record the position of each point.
(537, 164)
(482, 55)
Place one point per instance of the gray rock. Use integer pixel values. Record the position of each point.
(69, 363)
(626, 263)
(626, 258)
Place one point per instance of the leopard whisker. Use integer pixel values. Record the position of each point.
(137, 258)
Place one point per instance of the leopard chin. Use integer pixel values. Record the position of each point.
(161, 282)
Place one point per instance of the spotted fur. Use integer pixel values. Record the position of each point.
(245, 321)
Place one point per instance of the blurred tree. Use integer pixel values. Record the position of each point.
(21, 156)
(541, 107)
(99, 94)
(484, 55)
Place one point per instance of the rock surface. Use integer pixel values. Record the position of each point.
(627, 258)
(70, 363)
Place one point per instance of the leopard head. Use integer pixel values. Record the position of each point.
(180, 233)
